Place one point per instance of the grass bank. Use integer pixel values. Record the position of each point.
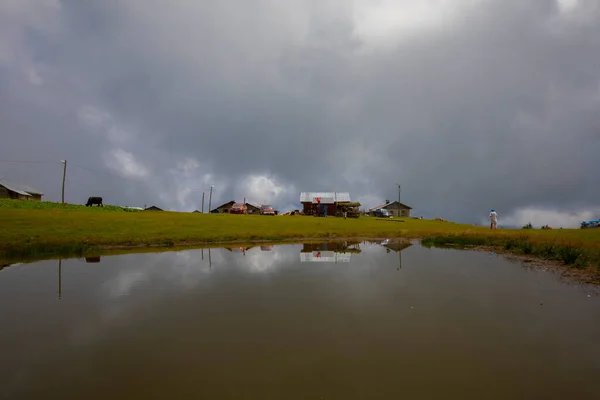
(53, 230)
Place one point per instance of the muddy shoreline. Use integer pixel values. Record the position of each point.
(564, 272)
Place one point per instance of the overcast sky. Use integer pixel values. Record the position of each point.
(468, 104)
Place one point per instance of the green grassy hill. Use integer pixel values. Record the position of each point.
(43, 229)
(9, 204)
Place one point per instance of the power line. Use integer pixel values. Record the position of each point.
(30, 162)
(98, 172)
(107, 173)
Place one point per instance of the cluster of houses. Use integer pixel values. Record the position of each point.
(319, 204)
(313, 203)
(324, 204)
(332, 203)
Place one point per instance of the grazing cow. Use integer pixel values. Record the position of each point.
(94, 200)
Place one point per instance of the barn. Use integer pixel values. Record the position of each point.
(323, 203)
(15, 191)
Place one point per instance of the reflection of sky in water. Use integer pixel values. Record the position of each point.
(121, 295)
(123, 288)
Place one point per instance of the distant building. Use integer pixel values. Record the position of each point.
(153, 208)
(15, 191)
(319, 202)
(395, 208)
(223, 208)
(252, 208)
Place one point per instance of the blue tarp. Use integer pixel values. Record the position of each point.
(595, 223)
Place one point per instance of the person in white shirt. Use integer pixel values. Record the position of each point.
(493, 219)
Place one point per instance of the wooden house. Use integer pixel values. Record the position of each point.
(323, 203)
(15, 191)
(395, 208)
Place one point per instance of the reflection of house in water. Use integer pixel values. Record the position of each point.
(397, 246)
(325, 256)
(266, 248)
(92, 259)
(239, 249)
(329, 251)
(351, 246)
(2, 266)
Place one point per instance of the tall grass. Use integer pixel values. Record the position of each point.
(580, 254)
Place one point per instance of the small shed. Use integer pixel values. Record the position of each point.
(153, 208)
(9, 190)
(395, 208)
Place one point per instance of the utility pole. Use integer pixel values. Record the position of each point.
(398, 193)
(202, 202)
(210, 197)
(64, 176)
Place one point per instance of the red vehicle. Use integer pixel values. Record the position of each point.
(238, 208)
(266, 209)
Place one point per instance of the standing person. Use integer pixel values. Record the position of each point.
(345, 212)
(493, 219)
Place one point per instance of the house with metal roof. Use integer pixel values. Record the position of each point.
(323, 203)
(395, 208)
(9, 190)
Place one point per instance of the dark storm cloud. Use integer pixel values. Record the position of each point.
(468, 105)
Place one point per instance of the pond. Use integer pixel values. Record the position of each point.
(344, 320)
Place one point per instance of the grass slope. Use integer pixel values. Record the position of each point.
(56, 230)
(8, 204)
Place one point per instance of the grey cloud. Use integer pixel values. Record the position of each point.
(497, 107)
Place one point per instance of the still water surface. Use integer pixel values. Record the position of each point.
(328, 321)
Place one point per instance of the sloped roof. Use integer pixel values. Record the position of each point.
(307, 197)
(21, 189)
(229, 203)
(253, 205)
(389, 204)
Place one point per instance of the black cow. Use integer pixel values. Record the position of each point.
(94, 200)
